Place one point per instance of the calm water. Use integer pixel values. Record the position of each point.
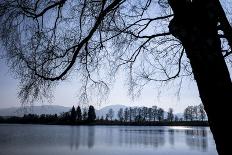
(105, 140)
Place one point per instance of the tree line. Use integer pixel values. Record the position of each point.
(156, 114)
(129, 115)
(73, 116)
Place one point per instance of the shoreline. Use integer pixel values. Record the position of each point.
(109, 123)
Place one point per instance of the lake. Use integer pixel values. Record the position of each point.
(16, 139)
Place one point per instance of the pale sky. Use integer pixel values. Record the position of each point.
(66, 94)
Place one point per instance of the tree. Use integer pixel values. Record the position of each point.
(79, 114)
(170, 116)
(134, 113)
(195, 24)
(91, 113)
(126, 114)
(150, 114)
(81, 39)
(144, 113)
(130, 114)
(111, 114)
(155, 112)
(195, 113)
(120, 114)
(160, 114)
(202, 114)
(107, 117)
(73, 114)
(85, 114)
(188, 113)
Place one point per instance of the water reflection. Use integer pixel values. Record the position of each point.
(171, 136)
(98, 140)
(82, 136)
(140, 137)
(197, 139)
(91, 136)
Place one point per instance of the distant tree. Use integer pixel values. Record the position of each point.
(186, 117)
(170, 116)
(139, 114)
(150, 114)
(160, 114)
(73, 114)
(111, 114)
(144, 113)
(154, 111)
(78, 113)
(202, 114)
(134, 113)
(130, 114)
(85, 114)
(189, 113)
(176, 118)
(120, 114)
(64, 117)
(126, 115)
(107, 117)
(195, 112)
(91, 113)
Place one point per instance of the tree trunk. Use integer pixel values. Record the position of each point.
(195, 25)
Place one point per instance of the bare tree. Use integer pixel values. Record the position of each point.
(201, 111)
(46, 41)
(120, 114)
(126, 114)
(111, 114)
(160, 114)
(170, 116)
(150, 114)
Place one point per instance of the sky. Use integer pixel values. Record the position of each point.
(66, 94)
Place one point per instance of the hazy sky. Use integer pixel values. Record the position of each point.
(66, 94)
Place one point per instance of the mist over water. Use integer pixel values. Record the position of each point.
(105, 140)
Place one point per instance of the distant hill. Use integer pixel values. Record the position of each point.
(44, 109)
(105, 110)
(56, 109)
(51, 109)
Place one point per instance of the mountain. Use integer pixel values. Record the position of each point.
(56, 109)
(52, 109)
(44, 109)
(105, 110)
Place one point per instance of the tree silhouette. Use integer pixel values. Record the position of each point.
(194, 113)
(188, 113)
(79, 114)
(170, 116)
(194, 38)
(91, 114)
(126, 114)
(202, 114)
(73, 114)
(85, 114)
(160, 114)
(111, 114)
(120, 114)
